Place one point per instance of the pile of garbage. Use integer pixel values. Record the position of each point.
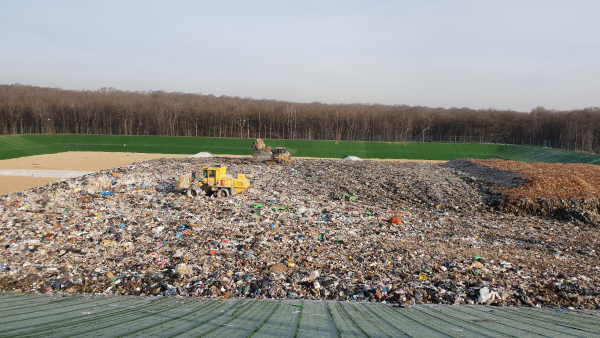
(404, 233)
(569, 191)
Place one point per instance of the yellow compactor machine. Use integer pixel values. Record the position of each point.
(216, 181)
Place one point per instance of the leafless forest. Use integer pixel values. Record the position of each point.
(32, 110)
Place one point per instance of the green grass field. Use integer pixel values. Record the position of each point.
(28, 145)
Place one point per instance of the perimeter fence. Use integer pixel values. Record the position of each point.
(28, 145)
(562, 145)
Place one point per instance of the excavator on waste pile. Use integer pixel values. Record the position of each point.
(279, 155)
(214, 182)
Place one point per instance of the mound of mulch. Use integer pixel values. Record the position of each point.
(570, 190)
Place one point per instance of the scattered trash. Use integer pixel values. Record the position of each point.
(201, 155)
(486, 295)
(419, 233)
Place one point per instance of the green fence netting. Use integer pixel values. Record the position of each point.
(28, 145)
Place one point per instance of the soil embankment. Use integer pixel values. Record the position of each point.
(569, 191)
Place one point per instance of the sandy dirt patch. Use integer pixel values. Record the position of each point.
(80, 161)
(20, 183)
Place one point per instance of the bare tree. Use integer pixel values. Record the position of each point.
(28, 109)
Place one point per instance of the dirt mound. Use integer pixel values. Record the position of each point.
(570, 191)
(426, 184)
(498, 178)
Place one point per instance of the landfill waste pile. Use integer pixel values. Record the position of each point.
(495, 177)
(401, 233)
(567, 191)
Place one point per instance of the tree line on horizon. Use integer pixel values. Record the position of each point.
(35, 110)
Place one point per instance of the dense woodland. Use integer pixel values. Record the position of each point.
(32, 110)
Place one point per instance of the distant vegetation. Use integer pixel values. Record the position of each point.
(35, 110)
(27, 145)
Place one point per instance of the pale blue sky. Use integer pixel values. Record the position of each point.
(467, 53)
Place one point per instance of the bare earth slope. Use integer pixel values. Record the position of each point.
(83, 161)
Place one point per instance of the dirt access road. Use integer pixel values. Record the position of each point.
(85, 161)
(77, 161)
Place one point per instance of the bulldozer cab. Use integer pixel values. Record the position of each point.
(279, 151)
(279, 155)
(211, 175)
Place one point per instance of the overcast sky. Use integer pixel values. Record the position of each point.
(473, 53)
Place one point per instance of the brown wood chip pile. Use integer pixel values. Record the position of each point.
(549, 180)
